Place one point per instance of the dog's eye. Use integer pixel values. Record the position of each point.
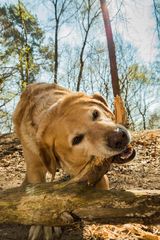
(77, 139)
(95, 115)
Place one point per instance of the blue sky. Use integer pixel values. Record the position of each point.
(138, 27)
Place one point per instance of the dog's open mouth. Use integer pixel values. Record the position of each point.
(96, 168)
(127, 155)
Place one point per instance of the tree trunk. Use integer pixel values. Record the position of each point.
(25, 48)
(62, 204)
(120, 112)
(81, 60)
(56, 53)
(111, 49)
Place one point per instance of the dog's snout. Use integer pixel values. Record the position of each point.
(118, 139)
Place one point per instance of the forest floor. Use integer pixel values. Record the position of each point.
(141, 173)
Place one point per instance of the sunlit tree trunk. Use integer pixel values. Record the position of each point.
(120, 113)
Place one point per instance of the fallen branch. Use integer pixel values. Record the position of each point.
(54, 204)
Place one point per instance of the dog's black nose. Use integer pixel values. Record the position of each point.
(119, 138)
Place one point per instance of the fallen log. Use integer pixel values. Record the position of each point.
(63, 203)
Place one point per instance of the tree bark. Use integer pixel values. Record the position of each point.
(63, 203)
(111, 48)
(120, 112)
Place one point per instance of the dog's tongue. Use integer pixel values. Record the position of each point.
(127, 155)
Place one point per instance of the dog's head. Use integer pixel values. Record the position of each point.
(78, 128)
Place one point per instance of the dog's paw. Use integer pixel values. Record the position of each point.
(39, 232)
(35, 232)
(57, 232)
(48, 233)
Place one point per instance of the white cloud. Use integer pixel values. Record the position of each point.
(139, 28)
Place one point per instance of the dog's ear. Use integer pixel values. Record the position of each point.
(48, 157)
(102, 100)
(47, 125)
(98, 97)
(45, 138)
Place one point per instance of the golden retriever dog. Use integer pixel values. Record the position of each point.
(61, 128)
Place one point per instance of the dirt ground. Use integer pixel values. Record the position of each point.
(141, 173)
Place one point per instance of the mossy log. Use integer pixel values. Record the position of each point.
(63, 203)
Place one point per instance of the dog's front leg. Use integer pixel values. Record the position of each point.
(36, 173)
(35, 232)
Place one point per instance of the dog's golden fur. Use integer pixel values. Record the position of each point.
(61, 128)
(48, 117)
